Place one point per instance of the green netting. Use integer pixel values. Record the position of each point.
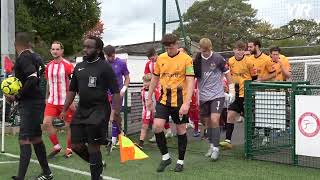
(270, 121)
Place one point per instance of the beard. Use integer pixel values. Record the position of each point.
(90, 57)
(253, 52)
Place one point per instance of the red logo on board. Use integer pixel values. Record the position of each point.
(309, 124)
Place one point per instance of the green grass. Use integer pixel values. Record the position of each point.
(231, 165)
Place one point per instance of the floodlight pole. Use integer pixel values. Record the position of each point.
(7, 40)
(186, 43)
(164, 19)
(165, 22)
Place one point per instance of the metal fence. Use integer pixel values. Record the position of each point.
(270, 121)
(133, 109)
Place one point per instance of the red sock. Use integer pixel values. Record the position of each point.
(54, 139)
(167, 125)
(68, 143)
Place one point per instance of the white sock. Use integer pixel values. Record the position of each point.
(227, 140)
(114, 140)
(166, 157)
(211, 146)
(215, 148)
(180, 162)
(57, 146)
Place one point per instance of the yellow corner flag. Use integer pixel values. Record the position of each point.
(128, 151)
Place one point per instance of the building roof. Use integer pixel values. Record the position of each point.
(140, 49)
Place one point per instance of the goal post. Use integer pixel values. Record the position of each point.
(305, 68)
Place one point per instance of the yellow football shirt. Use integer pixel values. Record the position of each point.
(263, 65)
(276, 66)
(241, 70)
(173, 72)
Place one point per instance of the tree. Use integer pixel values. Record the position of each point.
(64, 20)
(96, 31)
(224, 22)
(299, 34)
(309, 30)
(24, 21)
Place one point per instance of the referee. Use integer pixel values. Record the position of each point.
(91, 79)
(31, 105)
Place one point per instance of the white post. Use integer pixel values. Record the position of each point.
(4, 52)
(7, 40)
(305, 71)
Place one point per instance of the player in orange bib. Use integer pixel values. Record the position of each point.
(174, 71)
(264, 69)
(281, 65)
(149, 68)
(262, 63)
(241, 69)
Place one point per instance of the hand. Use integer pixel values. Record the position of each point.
(63, 115)
(232, 93)
(258, 80)
(10, 98)
(275, 60)
(117, 119)
(254, 71)
(123, 91)
(184, 109)
(73, 107)
(232, 98)
(229, 98)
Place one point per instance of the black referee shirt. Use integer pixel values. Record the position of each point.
(92, 80)
(26, 64)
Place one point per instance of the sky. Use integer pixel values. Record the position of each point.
(131, 21)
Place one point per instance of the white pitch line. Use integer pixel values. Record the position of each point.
(62, 167)
(8, 162)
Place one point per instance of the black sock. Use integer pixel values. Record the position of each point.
(229, 128)
(41, 154)
(141, 143)
(209, 133)
(182, 145)
(215, 136)
(82, 151)
(161, 142)
(25, 155)
(96, 165)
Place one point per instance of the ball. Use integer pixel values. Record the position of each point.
(11, 86)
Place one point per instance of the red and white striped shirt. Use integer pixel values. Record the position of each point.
(57, 75)
(149, 68)
(144, 97)
(146, 114)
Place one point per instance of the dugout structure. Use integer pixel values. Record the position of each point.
(270, 121)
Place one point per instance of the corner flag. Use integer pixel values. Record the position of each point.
(128, 151)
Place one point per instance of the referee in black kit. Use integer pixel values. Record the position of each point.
(91, 79)
(31, 105)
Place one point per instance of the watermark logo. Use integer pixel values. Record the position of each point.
(300, 10)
